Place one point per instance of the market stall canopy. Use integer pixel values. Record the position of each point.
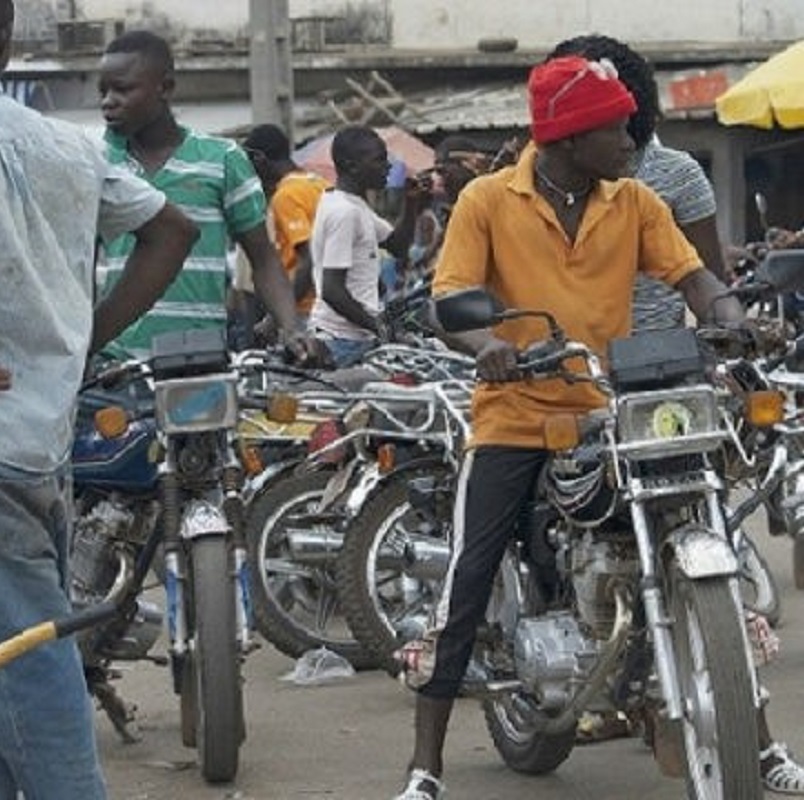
(770, 95)
(408, 155)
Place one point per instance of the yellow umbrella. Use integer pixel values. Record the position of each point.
(773, 93)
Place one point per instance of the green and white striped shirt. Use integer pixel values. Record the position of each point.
(212, 181)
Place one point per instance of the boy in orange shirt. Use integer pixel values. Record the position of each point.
(293, 194)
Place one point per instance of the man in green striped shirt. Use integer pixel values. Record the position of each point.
(209, 178)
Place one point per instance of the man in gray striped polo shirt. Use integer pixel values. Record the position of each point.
(209, 178)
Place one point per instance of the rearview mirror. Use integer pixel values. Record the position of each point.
(468, 310)
(783, 270)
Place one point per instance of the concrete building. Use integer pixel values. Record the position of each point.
(458, 65)
(439, 24)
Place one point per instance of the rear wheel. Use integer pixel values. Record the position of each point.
(215, 660)
(515, 724)
(719, 723)
(296, 605)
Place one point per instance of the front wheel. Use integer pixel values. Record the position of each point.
(392, 564)
(215, 660)
(719, 723)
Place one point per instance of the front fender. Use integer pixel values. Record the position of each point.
(272, 473)
(374, 480)
(202, 518)
(700, 553)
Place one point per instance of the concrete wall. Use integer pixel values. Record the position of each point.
(534, 23)
(540, 23)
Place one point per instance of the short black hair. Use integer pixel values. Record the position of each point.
(154, 48)
(349, 142)
(634, 71)
(270, 140)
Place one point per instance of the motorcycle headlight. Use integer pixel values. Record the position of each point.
(188, 405)
(674, 419)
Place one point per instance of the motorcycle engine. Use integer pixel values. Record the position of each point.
(96, 555)
(597, 565)
(99, 565)
(551, 656)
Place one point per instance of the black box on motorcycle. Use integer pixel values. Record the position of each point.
(656, 359)
(185, 353)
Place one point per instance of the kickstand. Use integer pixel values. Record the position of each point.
(121, 714)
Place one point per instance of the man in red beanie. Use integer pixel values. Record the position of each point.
(558, 231)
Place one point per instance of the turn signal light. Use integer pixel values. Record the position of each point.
(561, 432)
(283, 408)
(764, 408)
(386, 458)
(111, 422)
(251, 460)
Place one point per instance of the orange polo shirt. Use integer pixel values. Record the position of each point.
(504, 235)
(293, 208)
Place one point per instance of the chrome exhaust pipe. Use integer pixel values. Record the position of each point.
(317, 545)
(426, 559)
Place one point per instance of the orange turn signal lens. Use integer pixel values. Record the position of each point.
(283, 408)
(111, 422)
(251, 460)
(764, 408)
(561, 432)
(386, 458)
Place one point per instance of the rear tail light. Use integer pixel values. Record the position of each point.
(326, 433)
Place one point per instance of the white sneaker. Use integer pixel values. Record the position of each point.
(423, 785)
(780, 772)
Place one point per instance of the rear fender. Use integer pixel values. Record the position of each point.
(379, 480)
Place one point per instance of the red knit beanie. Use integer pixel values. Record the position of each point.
(571, 95)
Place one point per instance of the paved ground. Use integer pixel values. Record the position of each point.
(350, 741)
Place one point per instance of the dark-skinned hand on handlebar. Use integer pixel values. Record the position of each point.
(304, 350)
(497, 361)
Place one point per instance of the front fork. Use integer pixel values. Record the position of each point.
(177, 531)
(702, 553)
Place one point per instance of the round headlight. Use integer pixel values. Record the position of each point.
(671, 419)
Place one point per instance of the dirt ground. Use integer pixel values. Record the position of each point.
(350, 740)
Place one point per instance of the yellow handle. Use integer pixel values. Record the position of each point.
(25, 641)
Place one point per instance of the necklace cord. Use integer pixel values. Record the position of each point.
(569, 198)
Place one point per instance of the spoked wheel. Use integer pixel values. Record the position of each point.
(719, 724)
(296, 605)
(215, 660)
(391, 568)
(515, 726)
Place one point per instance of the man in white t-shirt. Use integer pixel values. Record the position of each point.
(345, 247)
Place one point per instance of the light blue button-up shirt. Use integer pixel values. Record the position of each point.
(57, 194)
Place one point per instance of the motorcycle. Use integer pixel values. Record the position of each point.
(641, 596)
(161, 475)
(296, 522)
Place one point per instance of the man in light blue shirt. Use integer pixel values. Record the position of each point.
(57, 195)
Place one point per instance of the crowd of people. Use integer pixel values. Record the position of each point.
(610, 210)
